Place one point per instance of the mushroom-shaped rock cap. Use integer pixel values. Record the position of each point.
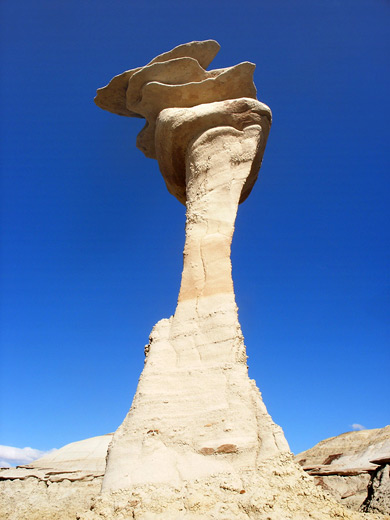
(113, 96)
(175, 79)
(177, 127)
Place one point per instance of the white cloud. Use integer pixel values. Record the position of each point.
(10, 456)
(357, 426)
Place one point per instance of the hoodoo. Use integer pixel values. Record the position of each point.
(196, 413)
(198, 441)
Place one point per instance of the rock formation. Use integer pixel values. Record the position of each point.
(353, 468)
(76, 461)
(197, 422)
(198, 442)
(196, 413)
(56, 486)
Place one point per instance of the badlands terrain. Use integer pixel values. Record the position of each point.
(68, 481)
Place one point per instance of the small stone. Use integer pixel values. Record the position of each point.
(207, 451)
(227, 448)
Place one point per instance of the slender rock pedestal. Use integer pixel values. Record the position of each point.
(198, 442)
(196, 413)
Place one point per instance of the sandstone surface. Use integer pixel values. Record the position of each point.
(175, 79)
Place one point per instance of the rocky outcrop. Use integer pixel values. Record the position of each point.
(178, 79)
(56, 486)
(198, 441)
(378, 496)
(353, 468)
(34, 499)
(174, 79)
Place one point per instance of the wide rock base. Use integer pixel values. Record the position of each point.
(278, 490)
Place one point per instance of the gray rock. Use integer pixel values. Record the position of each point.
(378, 497)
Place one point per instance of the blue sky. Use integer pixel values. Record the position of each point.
(92, 241)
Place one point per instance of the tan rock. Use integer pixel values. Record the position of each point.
(175, 79)
(347, 466)
(35, 499)
(278, 491)
(198, 442)
(195, 372)
(113, 96)
(176, 127)
(354, 449)
(381, 461)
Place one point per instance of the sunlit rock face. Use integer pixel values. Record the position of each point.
(178, 79)
(196, 412)
(198, 441)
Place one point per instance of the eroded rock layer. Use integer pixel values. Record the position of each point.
(353, 468)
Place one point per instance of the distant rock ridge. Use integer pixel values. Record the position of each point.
(79, 460)
(196, 414)
(353, 467)
(56, 486)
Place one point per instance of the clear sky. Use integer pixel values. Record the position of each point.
(92, 241)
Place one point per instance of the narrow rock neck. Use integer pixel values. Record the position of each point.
(217, 166)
